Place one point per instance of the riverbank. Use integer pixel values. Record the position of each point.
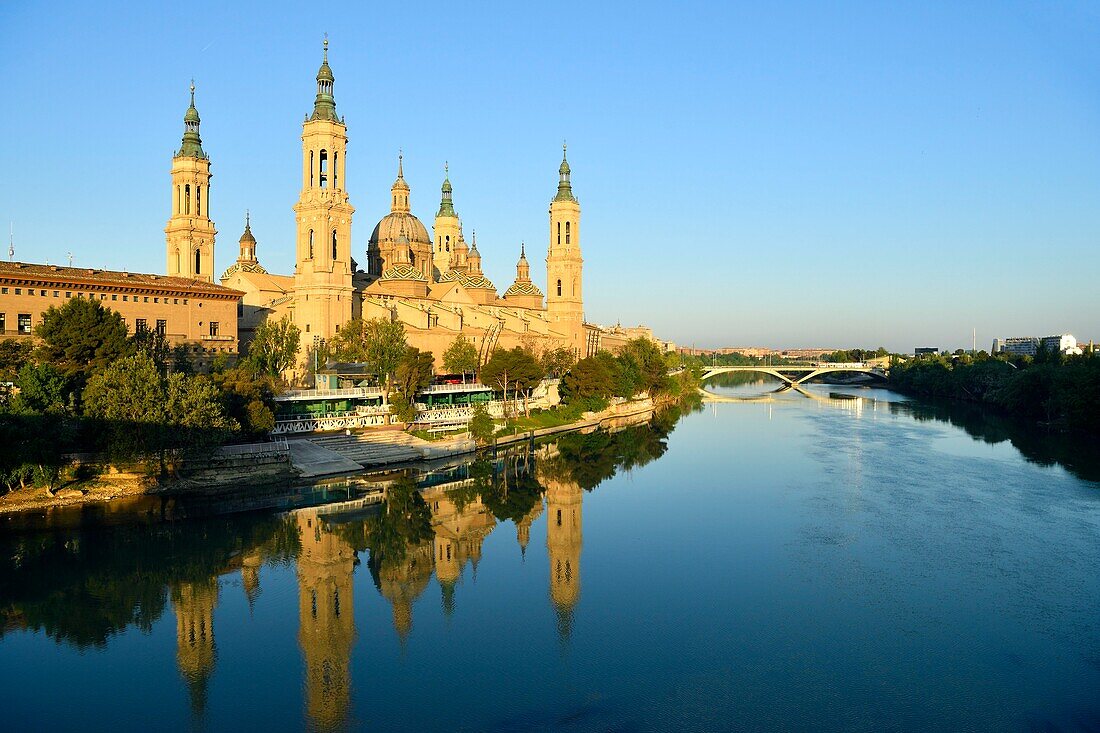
(318, 457)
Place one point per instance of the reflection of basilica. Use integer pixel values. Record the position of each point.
(326, 619)
(194, 604)
(456, 516)
(563, 544)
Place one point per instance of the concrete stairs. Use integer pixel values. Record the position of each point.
(376, 448)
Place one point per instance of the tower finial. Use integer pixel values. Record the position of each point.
(192, 91)
(326, 47)
(400, 163)
(247, 219)
(563, 147)
(446, 169)
(522, 253)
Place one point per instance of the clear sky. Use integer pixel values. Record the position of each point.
(833, 174)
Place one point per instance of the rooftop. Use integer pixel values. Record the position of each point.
(93, 276)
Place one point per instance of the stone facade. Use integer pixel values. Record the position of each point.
(431, 282)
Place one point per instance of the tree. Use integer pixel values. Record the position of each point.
(514, 367)
(249, 397)
(155, 345)
(652, 370)
(460, 357)
(129, 397)
(556, 362)
(413, 374)
(481, 424)
(274, 346)
(81, 338)
(14, 353)
(591, 378)
(42, 390)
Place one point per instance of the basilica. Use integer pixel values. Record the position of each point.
(432, 283)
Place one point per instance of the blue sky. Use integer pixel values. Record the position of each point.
(791, 175)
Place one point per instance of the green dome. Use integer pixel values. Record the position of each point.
(192, 114)
(325, 73)
(403, 271)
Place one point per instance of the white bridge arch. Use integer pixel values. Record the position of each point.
(796, 375)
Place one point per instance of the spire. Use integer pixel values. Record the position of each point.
(523, 268)
(474, 257)
(191, 147)
(565, 188)
(399, 192)
(446, 205)
(324, 106)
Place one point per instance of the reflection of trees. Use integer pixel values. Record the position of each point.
(1076, 452)
(83, 586)
(593, 458)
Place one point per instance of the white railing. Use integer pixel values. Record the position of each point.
(324, 394)
(320, 423)
(444, 388)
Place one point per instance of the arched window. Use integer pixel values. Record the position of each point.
(323, 159)
(559, 288)
(333, 244)
(335, 169)
(198, 200)
(559, 232)
(177, 260)
(187, 199)
(198, 260)
(311, 169)
(567, 232)
(311, 244)
(179, 199)
(448, 241)
(574, 286)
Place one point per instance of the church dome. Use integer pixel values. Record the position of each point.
(396, 222)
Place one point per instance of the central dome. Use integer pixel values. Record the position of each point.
(393, 224)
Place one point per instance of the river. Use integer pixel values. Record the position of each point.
(841, 560)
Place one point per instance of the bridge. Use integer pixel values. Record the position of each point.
(796, 375)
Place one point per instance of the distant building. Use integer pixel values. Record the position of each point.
(1064, 344)
(925, 351)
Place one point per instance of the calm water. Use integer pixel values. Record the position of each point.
(852, 562)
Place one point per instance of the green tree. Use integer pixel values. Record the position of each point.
(274, 346)
(249, 397)
(514, 368)
(413, 374)
(14, 353)
(481, 424)
(129, 397)
(81, 338)
(42, 390)
(590, 378)
(195, 404)
(650, 363)
(460, 357)
(155, 345)
(556, 362)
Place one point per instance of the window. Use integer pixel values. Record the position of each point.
(333, 244)
(187, 199)
(68, 293)
(156, 300)
(175, 301)
(57, 293)
(3, 322)
(311, 169)
(24, 323)
(18, 291)
(4, 291)
(140, 325)
(162, 326)
(323, 160)
(145, 299)
(213, 328)
(198, 260)
(559, 288)
(567, 232)
(311, 244)
(198, 200)
(559, 232)
(307, 328)
(114, 296)
(335, 170)
(103, 296)
(125, 298)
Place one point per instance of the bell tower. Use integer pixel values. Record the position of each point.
(444, 249)
(322, 276)
(564, 305)
(190, 231)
